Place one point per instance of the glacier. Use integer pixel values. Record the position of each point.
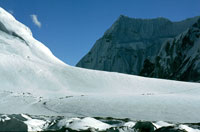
(35, 82)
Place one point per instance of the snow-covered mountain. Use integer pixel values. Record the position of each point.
(179, 58)
(129, 42)
(34, 81)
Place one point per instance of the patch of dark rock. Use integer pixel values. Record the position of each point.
(194, 125)
(112, 119)
(68, 96)
(112, 122)
(13, 124)
(144, 127)
(56, 130)
(112, 129)
(18, 117)
(169, 129)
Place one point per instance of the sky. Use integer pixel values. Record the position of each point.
(69, 28)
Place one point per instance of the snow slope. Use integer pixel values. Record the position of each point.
(34, 81)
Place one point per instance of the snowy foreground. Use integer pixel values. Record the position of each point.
(34, 81)
(23, 122)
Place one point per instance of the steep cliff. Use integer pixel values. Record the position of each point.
(129, 42)
(178, 59)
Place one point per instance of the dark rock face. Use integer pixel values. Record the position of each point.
(144, 127)
(178, 59)
(15, 123)
(169, 129)
(131, 45)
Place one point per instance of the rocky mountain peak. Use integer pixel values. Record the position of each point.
(197, 24)
(130, 41)
(178, 58)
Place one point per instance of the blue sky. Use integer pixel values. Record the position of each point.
(71, 27)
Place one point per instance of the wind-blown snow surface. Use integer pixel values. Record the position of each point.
(34, 81)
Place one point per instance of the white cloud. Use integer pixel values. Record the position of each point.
(35, 20)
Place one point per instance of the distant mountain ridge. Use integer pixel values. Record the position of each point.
(129, 42)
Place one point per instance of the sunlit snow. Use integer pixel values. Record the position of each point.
(34, 81)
